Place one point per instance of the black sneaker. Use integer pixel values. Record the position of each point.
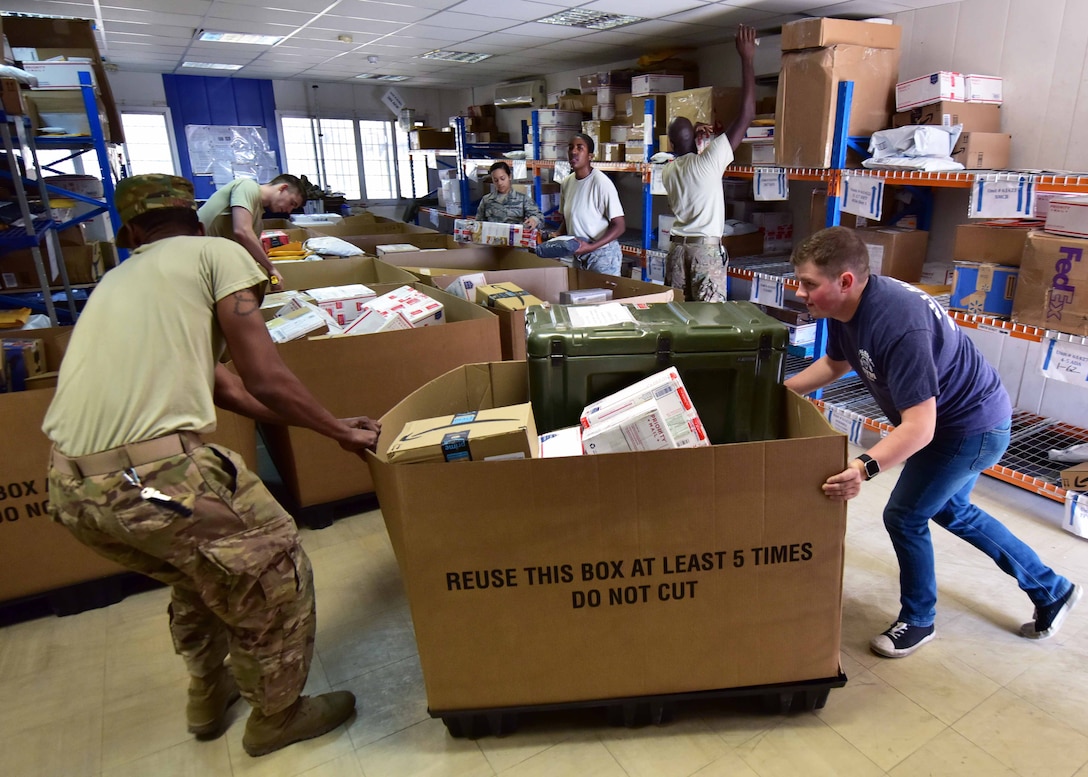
(1050, 618)
(901, 639)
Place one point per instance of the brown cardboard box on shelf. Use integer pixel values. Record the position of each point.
(744, 245)
(354, 376)
(975, 117)
(548, 284)
(897, 252)
(64, 108)
(423, 139)
(983, 150)
(692, 564)
(808, 93)
(11, 93)
(636, 112)
(36, 554)
(71, 38)
(754, 152)
(713, 105)
(818, 32)
(1052, 270)
(85, 264)
(990, 243)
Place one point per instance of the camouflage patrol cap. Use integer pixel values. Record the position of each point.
(142, 193)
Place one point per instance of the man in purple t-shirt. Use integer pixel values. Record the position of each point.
(952, 421)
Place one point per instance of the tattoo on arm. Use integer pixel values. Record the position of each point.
(245, 303)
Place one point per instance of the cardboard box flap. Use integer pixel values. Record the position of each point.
(298, 276)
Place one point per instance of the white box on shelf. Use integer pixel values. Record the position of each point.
(1068, 216)
(655, 83)
(984, 89)
(551, 117)
(931, 88)
(59, 74)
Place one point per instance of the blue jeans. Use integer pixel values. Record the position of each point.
(936, 485)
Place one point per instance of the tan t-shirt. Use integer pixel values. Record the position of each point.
(216, 214)
(141, 360)
(693, 183)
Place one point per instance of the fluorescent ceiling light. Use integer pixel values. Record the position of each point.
(455, 56)
(376, 77)
(238, 37)
(590, 20)
(211, 65)
(366, 75)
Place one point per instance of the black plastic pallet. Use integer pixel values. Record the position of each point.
(634, 712)
(76, 598)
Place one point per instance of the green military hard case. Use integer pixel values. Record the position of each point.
(731, 357)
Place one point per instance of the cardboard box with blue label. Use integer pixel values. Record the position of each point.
(474, 435)
(983, 288)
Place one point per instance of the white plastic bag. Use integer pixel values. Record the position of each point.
(332, 246)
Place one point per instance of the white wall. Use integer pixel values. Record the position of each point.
(1039, 48)
(137, 90)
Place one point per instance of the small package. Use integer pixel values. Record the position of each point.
(395, 248)
(561, 443)
(984, 89)
(373, 321)
(1068, 216)
(274, 238)
(505, 296)
(665, 392)
(932, 88)
(416, 307)
(655, 83)
(307, 320)
(464, 286)
(478, 435)
(343, 303)
(983, 289)
(584, 296)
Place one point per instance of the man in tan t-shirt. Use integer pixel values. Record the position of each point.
(235, 212)
(130, 477)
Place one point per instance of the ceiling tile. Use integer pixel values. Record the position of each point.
(465, 21)
(431, 32)
(392, 12)
(548, 31)
(649, 9)
(508, 9)
(774, 6)
(721, 16)
(513, 42)
(861, 9)
(247, 13)
(347, 24)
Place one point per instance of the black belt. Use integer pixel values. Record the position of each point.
(696, 239)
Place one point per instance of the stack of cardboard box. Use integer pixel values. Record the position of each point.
(1053, 272)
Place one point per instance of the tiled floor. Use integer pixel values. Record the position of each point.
(101, 693)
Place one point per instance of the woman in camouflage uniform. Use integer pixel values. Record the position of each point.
(506, 206)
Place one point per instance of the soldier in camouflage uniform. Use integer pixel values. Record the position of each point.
(130, 476)
(504, 205)
(697, 263)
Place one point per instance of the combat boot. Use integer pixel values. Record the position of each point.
(209, 699)
(307, 718)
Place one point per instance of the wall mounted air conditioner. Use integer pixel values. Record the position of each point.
(522, 94)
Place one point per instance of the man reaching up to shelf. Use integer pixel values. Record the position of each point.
(952, 421)
(235, 212)
(697, 262)
(130, 477)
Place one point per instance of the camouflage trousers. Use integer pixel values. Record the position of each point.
(699, 271)
(240, 580)
(607, 260)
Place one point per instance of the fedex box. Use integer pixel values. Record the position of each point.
(612, 586)
(1052, 291)
(354, 376)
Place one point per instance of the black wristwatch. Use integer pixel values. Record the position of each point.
(871, 465)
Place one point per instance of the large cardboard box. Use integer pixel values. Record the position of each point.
(367, 270)
(365, 224)
(36, 554)
(432, 139)
(983, 150)
(989, 243)
(808, 92)
(85, 264)
(548, 283)
(897, 252)
(367, 375)
(609, 589)
(425, 240)
(68, 38)
(470, 256)
(821, 31)
(65, 108)
(983, 288)
(1051, 292)
(974, 117)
